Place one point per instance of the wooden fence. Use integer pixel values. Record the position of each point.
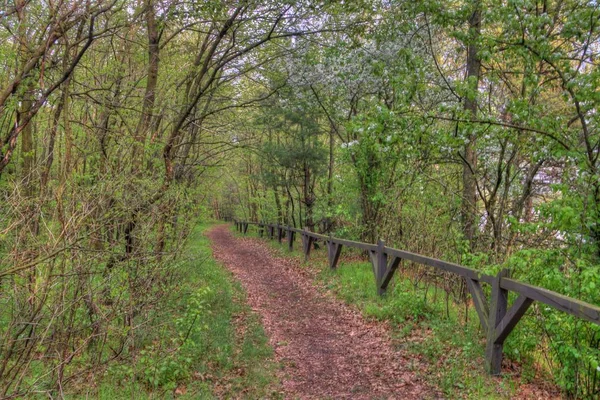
(497, 319)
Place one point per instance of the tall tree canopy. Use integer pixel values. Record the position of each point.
(464, 130)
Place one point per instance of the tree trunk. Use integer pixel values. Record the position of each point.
(278, 204)
(151, 81)
(330, 179)
(49, 155)
(308, 198)
(469, 201)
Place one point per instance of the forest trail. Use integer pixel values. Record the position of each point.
(327, 349)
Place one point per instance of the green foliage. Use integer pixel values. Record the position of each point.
(193, 342)
(359, 128)
(570, 269)
(394, 94)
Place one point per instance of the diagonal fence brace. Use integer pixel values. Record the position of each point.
(480, 302)
(333, 253)
(307, 242)
(389, 273)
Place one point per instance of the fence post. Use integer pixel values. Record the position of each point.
(381, 265)
(306, 244)
(498, 306)
(279, 233)
(290, 235)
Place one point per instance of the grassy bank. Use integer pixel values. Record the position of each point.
(205, 342)
(426, 324)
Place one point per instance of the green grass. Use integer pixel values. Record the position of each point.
(226, 353)
(450, 343)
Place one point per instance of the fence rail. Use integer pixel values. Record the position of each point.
(495, 317)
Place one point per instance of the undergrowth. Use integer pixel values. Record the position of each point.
(206, 342)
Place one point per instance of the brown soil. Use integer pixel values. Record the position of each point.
(327, 349)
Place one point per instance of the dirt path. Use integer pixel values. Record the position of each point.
(328, 350)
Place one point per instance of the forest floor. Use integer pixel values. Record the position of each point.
(327, 349)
